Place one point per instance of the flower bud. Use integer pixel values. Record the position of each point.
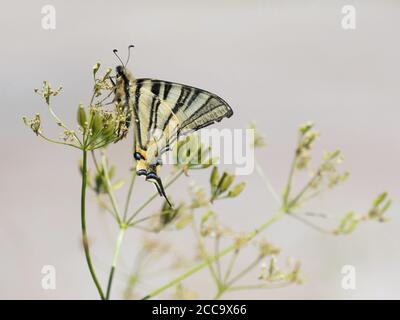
(81, 116)
(236, 190)
(225, 182)
(96, 68)
(214, 178)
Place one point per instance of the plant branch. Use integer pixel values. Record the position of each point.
(206, 256)
(57, 142)
(310, 224)
(83, 225)
(134, 223)
(259, 286)
(303, 191)
(289, 182)
(267, 182)
(217, 263)
(230, 266)
(115, 260)
(244, 271)
(152, 197)
(129, 195)
(109, 189)
(222, 253)
(61, 124)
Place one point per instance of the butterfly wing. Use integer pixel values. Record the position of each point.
(170, 110)
(163, 111)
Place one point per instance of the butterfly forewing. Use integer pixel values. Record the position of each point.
(173, 110)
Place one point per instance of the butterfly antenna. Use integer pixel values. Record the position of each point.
(116, 54)
(129, 54)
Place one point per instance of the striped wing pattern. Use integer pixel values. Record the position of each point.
(172, 110)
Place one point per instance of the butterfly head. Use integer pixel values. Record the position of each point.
(121, 70)
(123, 75)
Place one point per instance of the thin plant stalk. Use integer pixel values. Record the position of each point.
(222, 253)
(115, 260)
(152, 197)
(259, 286)
(230, 266)
(206, 256)
(57, 142)
(244, 271)
(83, 225)
(129, 195)
(131, 185)
(109, 189)
(266, 181)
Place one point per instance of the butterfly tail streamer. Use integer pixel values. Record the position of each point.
(160, 188)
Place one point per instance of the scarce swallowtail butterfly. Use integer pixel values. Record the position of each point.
(162, 112)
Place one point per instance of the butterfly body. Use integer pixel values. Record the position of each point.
(162, 112)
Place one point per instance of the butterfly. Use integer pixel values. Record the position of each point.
(162, 112)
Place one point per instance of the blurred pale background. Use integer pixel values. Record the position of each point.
(278, 62)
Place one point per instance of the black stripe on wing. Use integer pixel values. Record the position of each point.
(136, 115)
(195, 108)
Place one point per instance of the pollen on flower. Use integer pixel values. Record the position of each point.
(34, 123)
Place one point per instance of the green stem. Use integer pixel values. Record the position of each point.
(260, 286)
(289, 183)
(83, 225)
(244, 271)
(308, 185)
(115, 260)
(220, 292)
(109, 189)
(151, 198)
(222, 253)
(217, 264)
(134, 223)
(206, 256)
(266, 181)
(61, 124)
(57, 142)
(230, 266)
(302, 192)
(129, 195)
(310, 224)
